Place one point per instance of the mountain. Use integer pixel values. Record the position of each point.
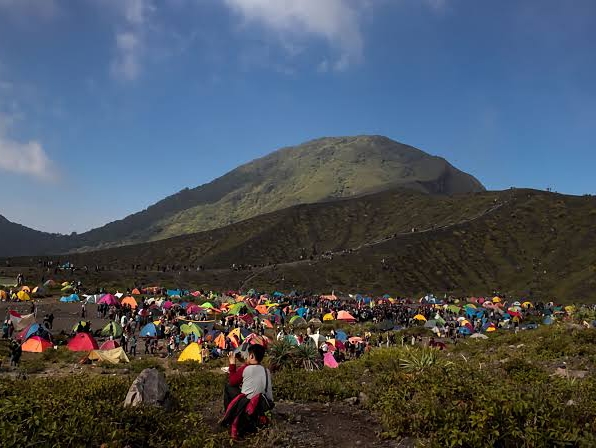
(319, 170)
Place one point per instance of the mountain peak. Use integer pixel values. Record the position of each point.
(323, 169)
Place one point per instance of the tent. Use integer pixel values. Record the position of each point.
(70, 298)
(330, 361)
(479, 336)
(113, 356)
(23, 296)
(315, 322)
(108, 299)
(36, 344)
(341, 336)
(67, 288)
(191, 353)
(33, 330)
(191, 328)
(82, 342)
(420, 317)
(148, 331)
(136, 292)
(19, 321)
(26, 289)
(328, 316)
(220, 341)
(110, 344)
(345, 316)
(112, 329)
(297, 321)
(130, 301)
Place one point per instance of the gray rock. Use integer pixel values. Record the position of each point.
(362, 398)
(149, 388)
(352, 400)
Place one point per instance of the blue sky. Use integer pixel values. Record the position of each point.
(107, 106)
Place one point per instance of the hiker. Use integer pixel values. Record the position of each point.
(83, 311)
(147, 344)
(247, 410)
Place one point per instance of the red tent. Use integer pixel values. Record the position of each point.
(82, 342)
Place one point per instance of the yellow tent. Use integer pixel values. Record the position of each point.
(491, 329)
(328, 316)
(570, 309)
(22, 295)
(113, 356)
(235, 332)
(65, 284)
(496, 300)
(527, 304)
(191, 353)
(419, 317)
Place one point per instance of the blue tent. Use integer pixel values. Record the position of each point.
(341, 336)
(37, 330)
(148, 331)
(278, 294)
(465, 331)
(174, 292)
(548, 320)
(70, 298)
(301, 311)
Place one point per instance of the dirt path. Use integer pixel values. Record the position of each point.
(314, 425)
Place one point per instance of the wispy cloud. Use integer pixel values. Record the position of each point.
(133, 17)
(336, 21)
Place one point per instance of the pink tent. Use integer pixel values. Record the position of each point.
(109, 345)
(345, 316)
(193, 309)
(109, 299)
(167, 305)
(330, 361)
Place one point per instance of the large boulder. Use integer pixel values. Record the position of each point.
(149, 388)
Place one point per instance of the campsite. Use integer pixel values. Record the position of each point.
(359, 365)
(297, 224)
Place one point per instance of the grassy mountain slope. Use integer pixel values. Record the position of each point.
(535, 244)
(302, 230)
(320, 170)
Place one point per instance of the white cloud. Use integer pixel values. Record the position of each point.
(336, 21)
(26, 158)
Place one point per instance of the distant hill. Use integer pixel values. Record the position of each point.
(320, 170)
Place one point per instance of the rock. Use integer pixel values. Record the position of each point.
(570, 403)
(567, 373)
(351, 401)
(363, 398)
(149, 388)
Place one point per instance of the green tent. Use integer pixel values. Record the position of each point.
(191, 328)
(112, 329)
(297, 321)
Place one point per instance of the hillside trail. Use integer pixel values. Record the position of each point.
(315, 425)
(328, 255)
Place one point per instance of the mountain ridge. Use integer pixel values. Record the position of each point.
(322, 169)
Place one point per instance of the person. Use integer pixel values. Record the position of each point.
(247, 410)
(133, 345)
(15, 353)
(83, 311)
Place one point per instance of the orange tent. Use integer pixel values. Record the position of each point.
(136, 292)
(3, 294)
(26, 289)
(345, 316)
(220, 341)
(267, 323)
(262, 309)
(36, 344)
(129, 301)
